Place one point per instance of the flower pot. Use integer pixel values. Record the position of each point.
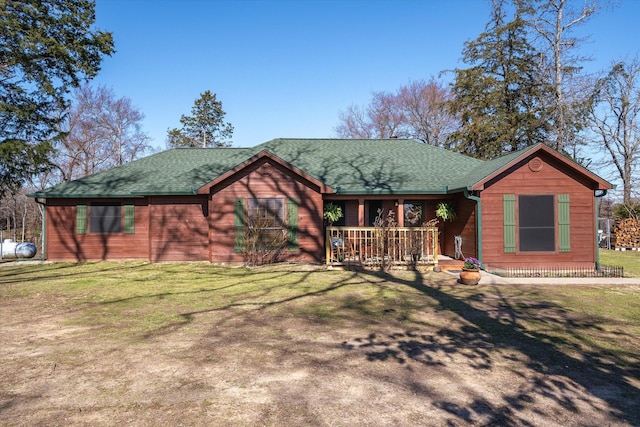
(470, 276)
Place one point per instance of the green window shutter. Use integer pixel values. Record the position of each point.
(129, 219)
(292, 224)
(564, 223)
(240, 225)
(81, 219)
(509, 222)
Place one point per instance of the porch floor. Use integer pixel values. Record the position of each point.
(448, 263)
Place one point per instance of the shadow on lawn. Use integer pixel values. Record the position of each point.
(264, 299)
(502, 331)
(28, 271)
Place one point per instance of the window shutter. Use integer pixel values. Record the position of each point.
(564, 223)
(81, 219)
(129, 219)
(240, 226)
(292, 224)
(509, 221)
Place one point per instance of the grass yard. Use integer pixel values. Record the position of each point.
(630, 260)
(197, 344)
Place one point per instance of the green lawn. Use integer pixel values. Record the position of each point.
(630, 260)
(140, 298)
(510, 355)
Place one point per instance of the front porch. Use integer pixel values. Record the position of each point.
(382, 246)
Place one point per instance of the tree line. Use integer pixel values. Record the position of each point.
(523, 83)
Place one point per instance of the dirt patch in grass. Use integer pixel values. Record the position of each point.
(291, 347)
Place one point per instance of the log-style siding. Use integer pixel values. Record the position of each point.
(64, 244)
(266, 180)
(464, 225)
(179, 228)
(351, 213)
(552, 178)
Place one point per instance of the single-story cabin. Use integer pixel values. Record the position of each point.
(530, 208)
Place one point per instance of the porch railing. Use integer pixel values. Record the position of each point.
(374, 246)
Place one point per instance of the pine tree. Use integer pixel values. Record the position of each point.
(46, 48)
(499, 99)
(205, 127)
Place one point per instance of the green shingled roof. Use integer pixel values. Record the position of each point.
(349, 166)
(486, 168)
(383, 166)
(176, 171)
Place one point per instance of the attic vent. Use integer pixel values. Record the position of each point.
(266, 169)
(535, 164)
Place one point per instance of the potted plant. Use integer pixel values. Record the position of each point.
(332, 213)
(445, 211)
(470, 274)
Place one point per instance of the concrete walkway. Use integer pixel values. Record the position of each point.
(492, 279)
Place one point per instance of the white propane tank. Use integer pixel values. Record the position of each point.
(14, 250)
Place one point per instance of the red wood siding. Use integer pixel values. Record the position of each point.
(63, 244)
(179, 228)
(464, 225)
(552, 179)
(351, 214)
(262, 181)
(190, 228)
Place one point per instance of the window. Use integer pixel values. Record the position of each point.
(105, 218)
(412, 214)
(536, 223)
(266, 223)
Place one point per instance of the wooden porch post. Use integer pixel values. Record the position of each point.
(400, 212)
(360, 212)
(327, 246)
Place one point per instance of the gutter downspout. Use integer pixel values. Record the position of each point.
(44, 227)
(598, 196)
(478, 221)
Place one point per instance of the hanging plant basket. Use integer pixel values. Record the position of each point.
(332, 213)
(445, 211)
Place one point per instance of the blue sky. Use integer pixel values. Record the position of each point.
(287, 68)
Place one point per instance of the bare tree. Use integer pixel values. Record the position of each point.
(120, 124)
(426, 113)
(386, 115)
(417, 110)
(102, 131)
(553, 21)
(382, 118)
(354, 123)
(20, 218)
(615, 118)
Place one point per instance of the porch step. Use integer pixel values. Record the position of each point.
(450, 264)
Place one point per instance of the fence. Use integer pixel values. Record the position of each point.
(381, 246)
(603, 271)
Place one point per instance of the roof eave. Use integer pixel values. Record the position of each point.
(40, 195)
(443, 190)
